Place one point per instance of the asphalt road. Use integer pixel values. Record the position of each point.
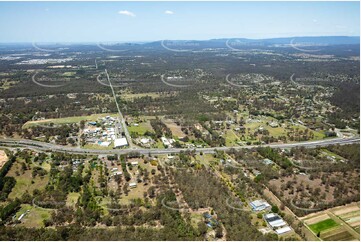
(42, 146)
(121, 120)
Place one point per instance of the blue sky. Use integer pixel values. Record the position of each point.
(148, 21)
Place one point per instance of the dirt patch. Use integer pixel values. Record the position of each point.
(3, 158)
(345, 210)
(316, 219)
(176, 129)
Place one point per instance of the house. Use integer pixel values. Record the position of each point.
(120, 142)
(145, 141)
(134, 163)
(274, 220)
(133, 185)
(259, 205)
(256, 172)
(267, 162)
(167, 142)
(273, 124)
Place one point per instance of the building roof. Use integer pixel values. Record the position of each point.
(283, 230)
(105, 143)
(120, 142)
(277, 223)
(259, 205)
(274, 220)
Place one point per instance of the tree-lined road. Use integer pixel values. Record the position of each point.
(42, 146)
(121, 117)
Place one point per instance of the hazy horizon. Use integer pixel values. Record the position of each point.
(158, 40)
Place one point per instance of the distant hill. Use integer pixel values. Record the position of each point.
(214, 43)
(317, 40)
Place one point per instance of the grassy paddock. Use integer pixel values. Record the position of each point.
(323, 225)
(68, 120)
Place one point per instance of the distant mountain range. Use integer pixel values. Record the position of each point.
(248, 43)
(317, 40)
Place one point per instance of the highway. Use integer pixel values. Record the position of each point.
(42, 146)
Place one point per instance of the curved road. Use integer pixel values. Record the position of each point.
(42, 146)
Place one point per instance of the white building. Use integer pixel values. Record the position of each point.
(283, 230)
(120, 142)
(145, 141)
(274, 220)
(259, 205)
(104, 144)
(133, 185)
(134, 163)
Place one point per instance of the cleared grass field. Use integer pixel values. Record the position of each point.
(72, 199)
(98, 147)
(337, 234)
(132, 96)
(231, 138)
(67, 120)
(323, 225)
(336, 224)
(25, 182)
(34, 218)
(69, 73)
(280, 131)
(176, 130)
(141, 128)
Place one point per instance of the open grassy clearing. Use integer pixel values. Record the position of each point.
(329, 153)
(350, 215)
(72, 199)
(176, 129)
(35, 218)
(141, 128)
(231, 138)
(315, 218)
(69, 73)
(132, 96)
(98, 147)
(280, 130)
(336, 234)
(346, 219)
(25, 182)
(68, 120)
(323, 225)
(7, 84)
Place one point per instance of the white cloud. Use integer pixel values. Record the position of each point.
(169, 12)
(127, 13)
